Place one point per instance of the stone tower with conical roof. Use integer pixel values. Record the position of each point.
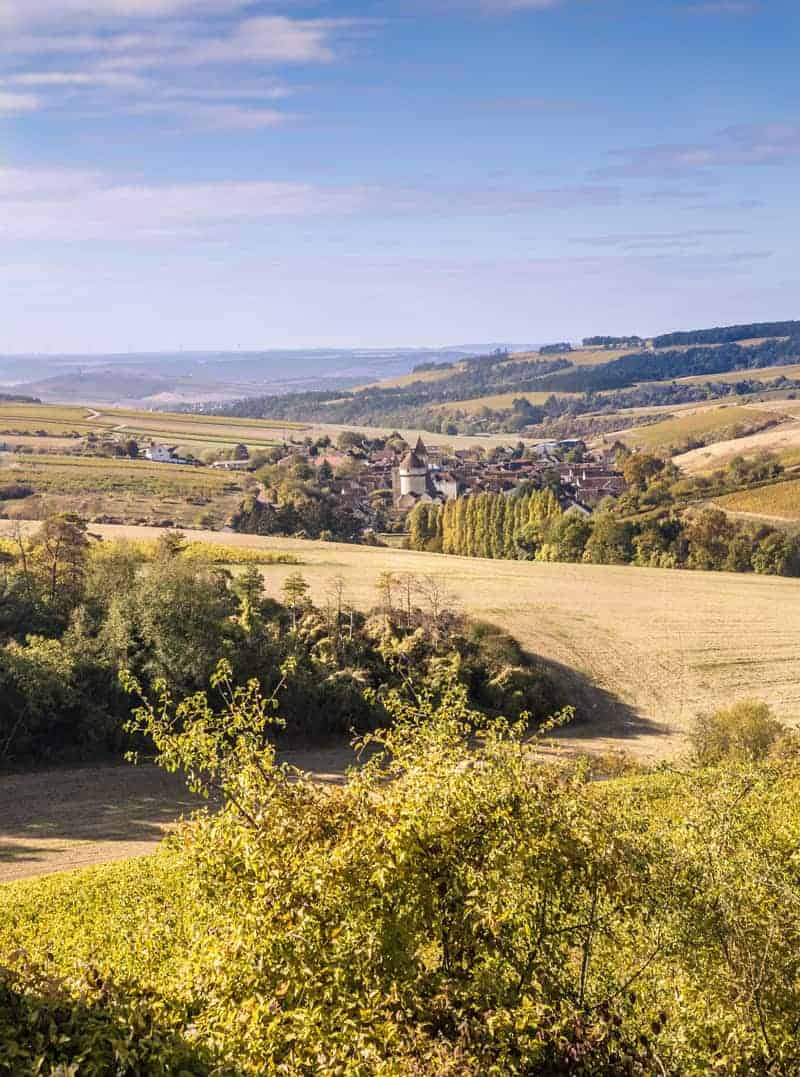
(413, 474)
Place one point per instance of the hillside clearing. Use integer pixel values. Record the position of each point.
(783, 440)
(497, 401)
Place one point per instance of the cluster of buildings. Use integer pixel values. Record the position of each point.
(425, 474)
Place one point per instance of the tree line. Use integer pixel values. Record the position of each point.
(728, 333)
(532, 527)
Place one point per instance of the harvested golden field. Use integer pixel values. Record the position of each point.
(578, 357)
(778, 501)
(698, 424)
(649, 647)
(454, 441)
(59, 820)
(783, 440)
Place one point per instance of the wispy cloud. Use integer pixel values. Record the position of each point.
(659, 241)
(742, 145)
(34, 12)
(84, 206)
(143, 56)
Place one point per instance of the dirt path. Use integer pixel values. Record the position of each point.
(72, 818)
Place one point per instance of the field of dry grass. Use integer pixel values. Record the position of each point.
(454, 441)
(496, 401)
(768, 373)
(578, 357)
(57, 820)
(783, 440)
(403, 380)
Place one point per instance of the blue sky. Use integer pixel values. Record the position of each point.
(225, 173)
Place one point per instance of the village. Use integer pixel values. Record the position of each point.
(388, 479)
(381, 480)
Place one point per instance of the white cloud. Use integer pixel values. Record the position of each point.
(506, 6)
(741, 145)
(18, 102)
(33, 12)
(270, 38)
(157, 57)
(77, 79)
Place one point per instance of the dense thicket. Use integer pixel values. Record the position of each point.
(454, 909)
(612, 342)
(72, 614)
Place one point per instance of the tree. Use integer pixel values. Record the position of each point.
(170, 544)
(295, 591)
(708, 534)
(349, 439)
(57, 558)
(241, 452)
(324, 472)
(131, 447)
(640, 468)
(744, 731)
(183, 614)
(610, 541)
(777, 554)
(385, 586)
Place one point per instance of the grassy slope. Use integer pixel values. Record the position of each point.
(700, 423)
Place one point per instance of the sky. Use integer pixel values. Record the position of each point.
(256, 174)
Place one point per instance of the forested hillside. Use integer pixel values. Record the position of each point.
(531, 393)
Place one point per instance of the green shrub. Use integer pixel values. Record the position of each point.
(453, 908)
(744, 731)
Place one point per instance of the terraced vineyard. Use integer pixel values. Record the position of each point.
(780, 501)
